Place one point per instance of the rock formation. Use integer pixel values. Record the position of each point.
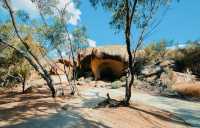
(57, 67)
(102, 65)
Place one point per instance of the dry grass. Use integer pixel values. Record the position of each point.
(190, 89)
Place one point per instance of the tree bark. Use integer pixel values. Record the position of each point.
(23, 84)
(45, 75)
(128, 46)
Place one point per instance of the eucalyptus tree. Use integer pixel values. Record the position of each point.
(132, 16)
(51, 31)
(27, 52)
(57, 34)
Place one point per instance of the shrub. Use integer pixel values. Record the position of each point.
(167, 78)
(14, 68)
(155, 51)
(116, 84)
(187, 58)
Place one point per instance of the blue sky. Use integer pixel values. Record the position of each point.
(181, 23)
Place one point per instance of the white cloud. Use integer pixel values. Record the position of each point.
(27, 6)
(91, 43)
(31, 9)
(177, 46)
(71, 9)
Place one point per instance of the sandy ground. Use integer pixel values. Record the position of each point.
(38, 110)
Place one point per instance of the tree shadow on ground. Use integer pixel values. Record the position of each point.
(144, 111)
(64, 119)
(92, 102)
(100, 102)
(23, 110)
(192, 116)
(180, 97)
(20, 97)
(161, 114)
(34, 110)
(188, 111)
(28, 110)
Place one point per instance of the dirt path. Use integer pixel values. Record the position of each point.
(38, 110)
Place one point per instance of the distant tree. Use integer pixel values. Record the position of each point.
(125, 14)
(187, 57)
(155, 51)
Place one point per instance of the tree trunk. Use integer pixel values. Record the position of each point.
(23, 84)
(128, 46)
(49, 81)
(74, 64)
(38, 67)
(66, 75)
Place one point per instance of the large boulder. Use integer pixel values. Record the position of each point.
(102, 65)
(156, 69)
(106, 66)
(106, 63)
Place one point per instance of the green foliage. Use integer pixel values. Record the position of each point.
(13, 66)
(54, 35)
(118, 10)
(187, 57)
(116, 84)
(6, 31)
(46, 6)
(79, 39)
(23, 16)
(155, 51)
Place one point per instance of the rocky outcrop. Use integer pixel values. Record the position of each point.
(105, 66)
(156, 69)
(57, 67)
(102, 65)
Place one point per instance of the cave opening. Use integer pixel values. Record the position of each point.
(107, 74)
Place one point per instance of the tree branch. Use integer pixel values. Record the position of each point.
(133, 11)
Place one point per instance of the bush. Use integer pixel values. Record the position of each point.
(187, 58)
(116, 84)
(167, 78)
(14, 69)
(155, 51)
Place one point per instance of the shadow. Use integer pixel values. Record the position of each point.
(14, 96)
(188, 111)
(190, 115)
(163, 115)
(27, 109)
(30, 107)
(92, 102)
(180, 97)
(10, 94)
(87, 102)
(63, 119)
